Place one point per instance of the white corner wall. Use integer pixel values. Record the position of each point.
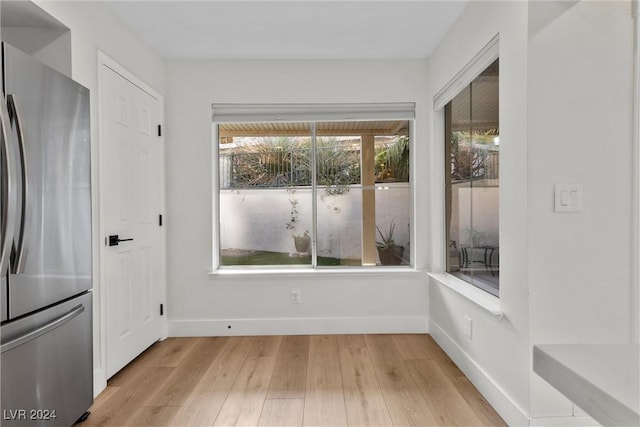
(204, 304)
(497, 359)
(94, 27)
(566, 90)
(580, 106)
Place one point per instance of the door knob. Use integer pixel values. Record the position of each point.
(114, 240)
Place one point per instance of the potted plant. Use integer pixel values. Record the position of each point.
(388, 251)
(301, 241)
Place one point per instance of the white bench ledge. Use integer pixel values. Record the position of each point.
(602, 379)
(397, 272)
(467, 290)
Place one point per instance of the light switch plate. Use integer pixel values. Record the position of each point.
(568, 198)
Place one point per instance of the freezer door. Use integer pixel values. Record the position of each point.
(46, 364)
(49, 115)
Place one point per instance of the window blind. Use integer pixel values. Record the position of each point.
(468, 73)
(237, 113)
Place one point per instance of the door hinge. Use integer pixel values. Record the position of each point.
(159, 130)
(160, 220)
(161, 309)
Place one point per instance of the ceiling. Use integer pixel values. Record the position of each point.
(293, 29)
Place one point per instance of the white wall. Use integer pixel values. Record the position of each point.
(93, 27)
(202, 304)
(566, 109)
(580, 88)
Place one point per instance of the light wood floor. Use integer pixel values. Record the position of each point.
(334, 380)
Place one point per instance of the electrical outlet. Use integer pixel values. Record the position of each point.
(468, 327)
(295, 296)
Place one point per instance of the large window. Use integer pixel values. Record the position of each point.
(326, 193)
(472, 153)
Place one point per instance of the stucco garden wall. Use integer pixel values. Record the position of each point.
(247, 225)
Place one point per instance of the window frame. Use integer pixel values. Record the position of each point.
(312, 113)
(466, 251)
(461, 80)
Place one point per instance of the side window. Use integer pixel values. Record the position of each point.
(472, 168)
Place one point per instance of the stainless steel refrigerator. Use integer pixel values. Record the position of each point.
(46, 361)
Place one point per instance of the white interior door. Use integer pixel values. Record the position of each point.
(130, 188)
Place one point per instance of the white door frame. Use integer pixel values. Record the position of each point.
(634, 289)
(100, 298)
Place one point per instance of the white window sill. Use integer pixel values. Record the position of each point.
(310, 272)
(467, 290)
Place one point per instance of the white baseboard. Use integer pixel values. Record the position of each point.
(164, 329)
(99, 381)
(495, 395)
(298, 326)
(582, 421)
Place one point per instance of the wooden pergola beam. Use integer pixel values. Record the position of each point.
(368, 179)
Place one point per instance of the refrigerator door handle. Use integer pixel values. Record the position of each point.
(74, 312)
(16, 117)
(8, 191)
